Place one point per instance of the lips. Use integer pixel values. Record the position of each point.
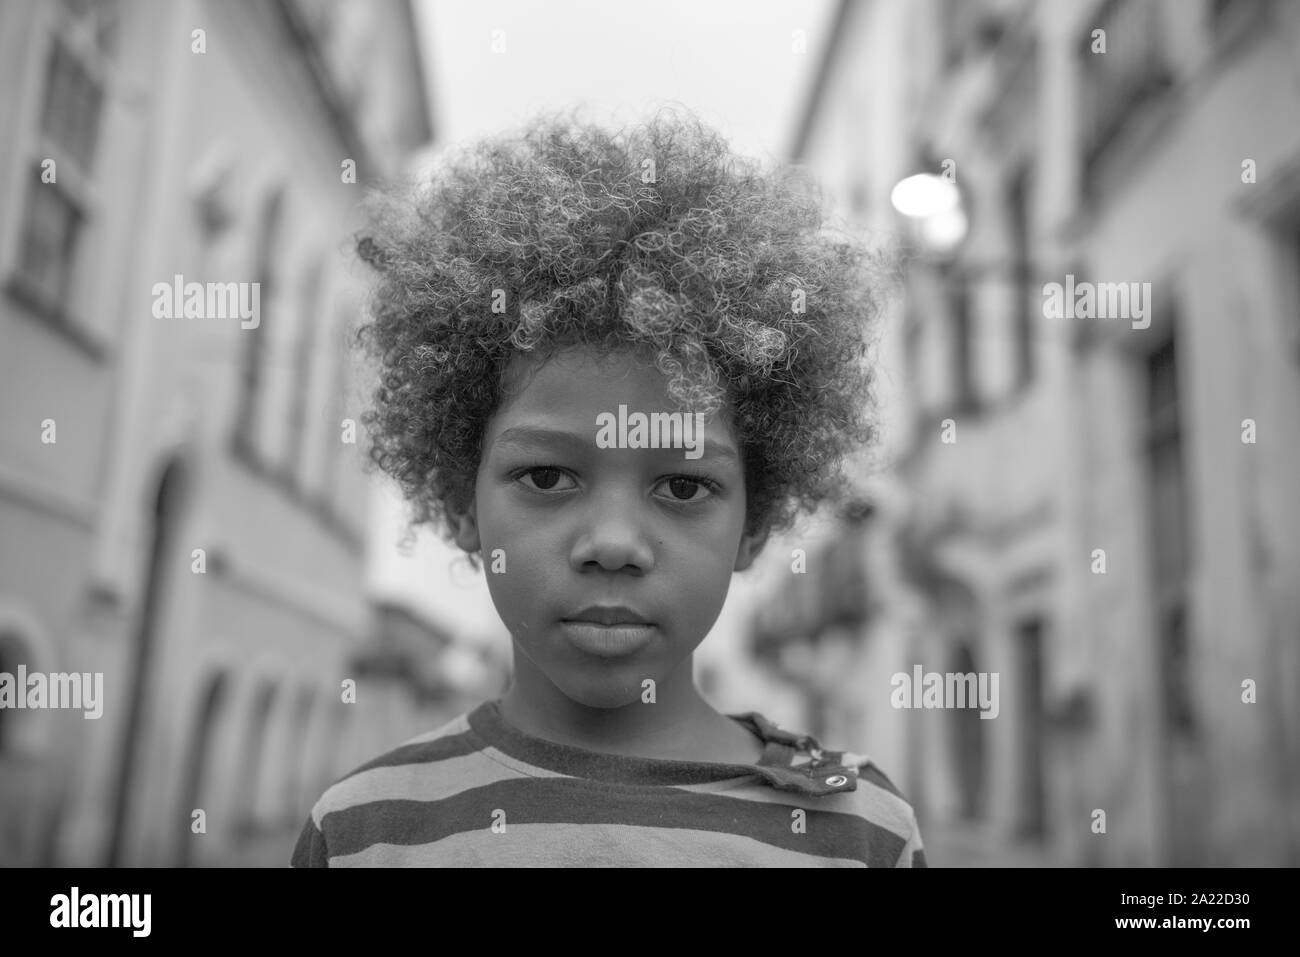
(608, 615)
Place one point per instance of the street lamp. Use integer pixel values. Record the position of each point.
(934, 206)
(924, 194)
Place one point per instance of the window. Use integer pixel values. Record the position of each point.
(1221, 8)
(10, 658)
(1024, 314)
(48, 250)
(199, 753)
(912, 343)
(303, 351)
(1117, 84)
(969, 741)
(962, 343)
(254, 359)
(1167, 498)
(957, 25)
(1032, 797)
(1275, 210)
(74, 98)
(1232, 18)
(294, 798)
(247, 806)
(1293, 261)
(58, 206)
(333, 432)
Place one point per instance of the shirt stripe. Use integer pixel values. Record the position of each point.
(478, 792)
(573, 845)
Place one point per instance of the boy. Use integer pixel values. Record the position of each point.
(611, 367)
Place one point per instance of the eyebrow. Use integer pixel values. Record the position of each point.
(526, 435)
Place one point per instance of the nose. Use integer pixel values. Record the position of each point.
(613, 535)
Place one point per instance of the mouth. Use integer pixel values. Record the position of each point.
(608, 632)
(608, 615)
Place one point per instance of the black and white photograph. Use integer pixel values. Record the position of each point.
(699, 434)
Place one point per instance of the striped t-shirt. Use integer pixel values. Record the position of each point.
(480, 792)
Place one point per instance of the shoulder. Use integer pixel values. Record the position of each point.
(880, 801)
(420, 760)
(886, 831)
(878, 792)
(374, 803)
(887, 816)
(845, 782)
(870, 774)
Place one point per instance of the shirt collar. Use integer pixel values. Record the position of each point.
(797, 762)
(790, 762)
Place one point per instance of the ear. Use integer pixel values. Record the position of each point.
(750, 546)
(466, 533)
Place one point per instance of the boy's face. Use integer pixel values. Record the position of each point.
(582, 526)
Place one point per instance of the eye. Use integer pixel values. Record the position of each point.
(685, 488)
(544, 479)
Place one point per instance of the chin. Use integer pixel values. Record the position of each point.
(607, 691)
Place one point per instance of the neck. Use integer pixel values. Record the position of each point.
(637, 729)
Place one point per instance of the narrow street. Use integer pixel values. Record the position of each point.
(956, 844)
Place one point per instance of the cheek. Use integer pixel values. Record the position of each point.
(701, 574)
(517, 581)
(510, 596)
(522, 595)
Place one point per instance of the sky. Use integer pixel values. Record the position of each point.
(734, 62)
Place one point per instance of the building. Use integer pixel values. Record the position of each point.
(1095, 509)
(181, 489)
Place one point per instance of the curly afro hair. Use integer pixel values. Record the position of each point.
(657, 238)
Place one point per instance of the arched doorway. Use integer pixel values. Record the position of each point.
(195, 793)
(955, 619)
(167, 509)
(969, 746)
(297, 759)
(12, 654)
(248, 808)
(31, 796)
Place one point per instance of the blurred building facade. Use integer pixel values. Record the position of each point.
(182, 501)
(1099, 510)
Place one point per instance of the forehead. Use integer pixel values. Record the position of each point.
(578, 371)
(580, 382)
